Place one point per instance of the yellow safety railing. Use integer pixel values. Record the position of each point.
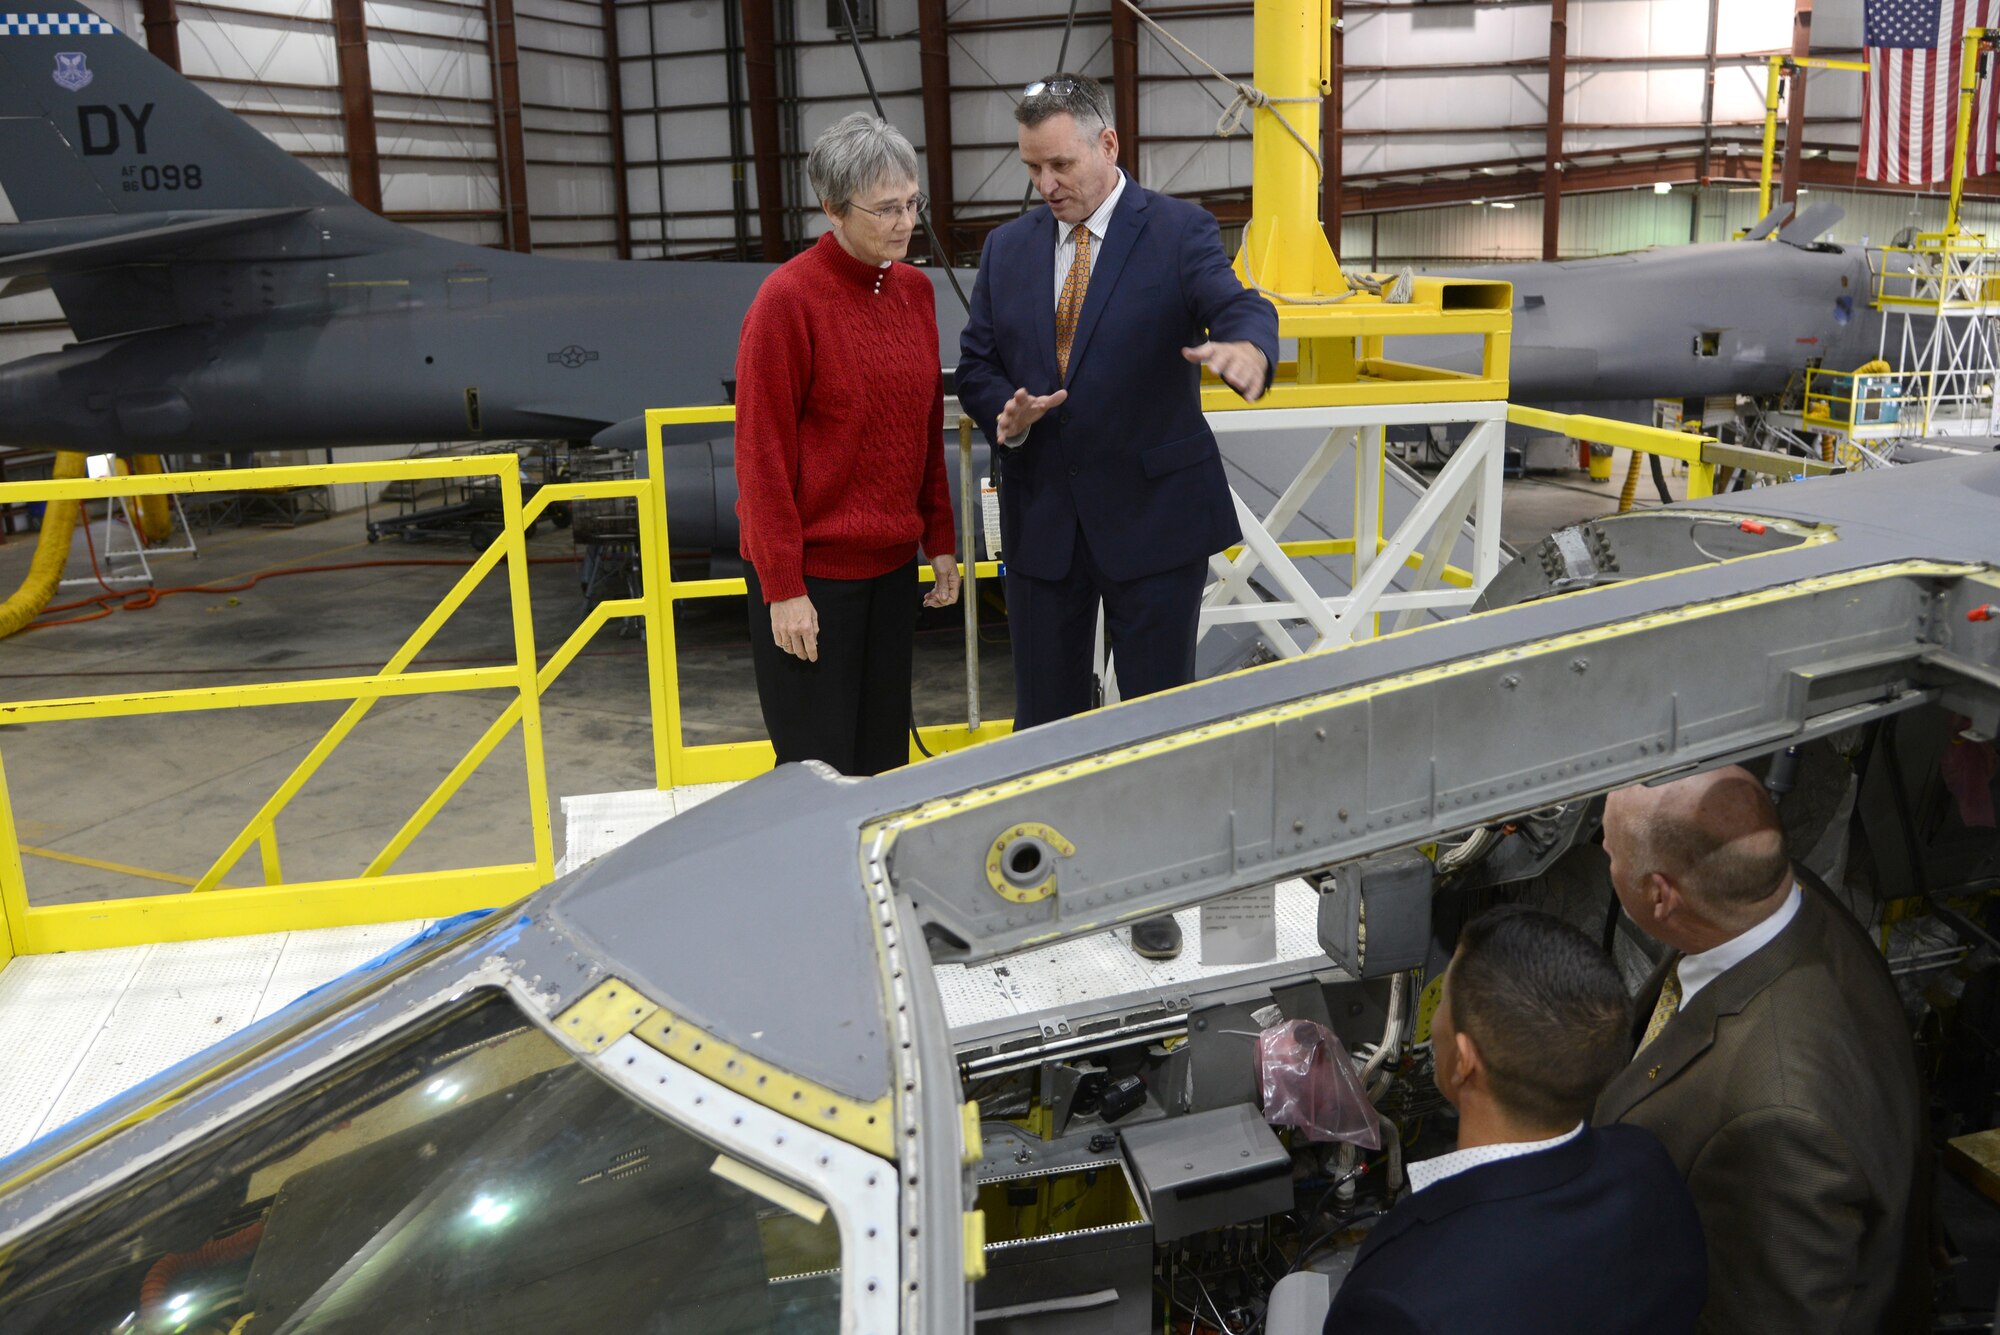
(208, 907)
(1940, 273)
(377, 893)
(722, 762)
(1696, 451)
(1866, 404)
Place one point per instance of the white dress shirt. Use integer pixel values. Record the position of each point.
(1430, 1172)
(1698, 971)
(1098, 223)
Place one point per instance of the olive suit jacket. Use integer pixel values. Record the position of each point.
(1787, 1094)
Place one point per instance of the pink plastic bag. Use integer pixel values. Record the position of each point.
(1309, 1082)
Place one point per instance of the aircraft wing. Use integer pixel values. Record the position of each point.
(124, 247)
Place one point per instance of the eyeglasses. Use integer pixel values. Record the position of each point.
(1053, 87)
(915, 207)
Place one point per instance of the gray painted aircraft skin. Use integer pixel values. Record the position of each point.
(225, 296)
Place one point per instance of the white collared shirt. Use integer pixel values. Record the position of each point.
(1098, 223)
(1698, 971)
(1430, 1172)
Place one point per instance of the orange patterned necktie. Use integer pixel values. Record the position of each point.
(1071, 304)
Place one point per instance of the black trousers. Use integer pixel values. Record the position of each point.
(1150, 622)
(851, 709)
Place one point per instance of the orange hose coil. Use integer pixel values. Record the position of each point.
(160, 1278)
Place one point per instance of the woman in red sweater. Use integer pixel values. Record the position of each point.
(840, 462)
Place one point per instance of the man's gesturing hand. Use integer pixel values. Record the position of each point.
(1241, 366)
(795, 627)
(1025, 409)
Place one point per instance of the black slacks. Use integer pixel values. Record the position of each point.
(1150, 622)
(851, 709)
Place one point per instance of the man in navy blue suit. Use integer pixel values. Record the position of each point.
(1537, 1223)
(1091, 320)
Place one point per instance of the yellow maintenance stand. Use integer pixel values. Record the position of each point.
(1341, 328)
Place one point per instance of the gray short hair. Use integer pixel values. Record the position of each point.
(855, 152)
(1059, 94)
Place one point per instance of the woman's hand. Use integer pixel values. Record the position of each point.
(945, 592)
(795, 627)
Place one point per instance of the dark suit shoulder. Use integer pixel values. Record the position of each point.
(1598, 1234)
(1832, 1010)
(1635, 1154)
(1179, 212)
(1017, 230)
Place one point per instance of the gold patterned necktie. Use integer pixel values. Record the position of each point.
(1665, 1008)
(1070, 306)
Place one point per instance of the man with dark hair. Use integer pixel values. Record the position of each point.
(1775, 1063)
(1091, 320)
(1537, 1223)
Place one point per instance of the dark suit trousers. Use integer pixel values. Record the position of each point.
(1150, 621)
(851, 709)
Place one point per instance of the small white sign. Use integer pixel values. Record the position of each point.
(1241, 928)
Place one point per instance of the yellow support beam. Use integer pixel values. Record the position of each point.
(496, 732)
(248, 694)
(1777, 68)
(13, 881)
(1683, 445)
(282, 908)
(1968, 85)
(515, 539)
(260, 479)
(104, 864)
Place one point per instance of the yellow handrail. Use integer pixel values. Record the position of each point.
(374, 895)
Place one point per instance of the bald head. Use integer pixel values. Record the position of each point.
(1711, 844)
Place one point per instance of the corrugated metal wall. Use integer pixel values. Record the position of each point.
(1611, 222)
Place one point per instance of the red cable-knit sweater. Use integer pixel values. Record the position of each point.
(839, 422)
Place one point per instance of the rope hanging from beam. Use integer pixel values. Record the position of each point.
(1249, 97)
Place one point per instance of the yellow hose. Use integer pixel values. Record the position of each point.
(1630, 492)
(51, 554)
(156, 520)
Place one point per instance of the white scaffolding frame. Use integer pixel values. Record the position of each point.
(1462, 502)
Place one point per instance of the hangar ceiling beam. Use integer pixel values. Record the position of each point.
(163, 31)
(614, 110)
(760, 64)
(1552, 151)
(1795, 110)
(934, 53)
(513, 140)
(1125, 85)
(357, 103)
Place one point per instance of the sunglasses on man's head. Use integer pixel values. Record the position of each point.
(1059, 87)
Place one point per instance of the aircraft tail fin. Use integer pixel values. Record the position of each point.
(91, 123)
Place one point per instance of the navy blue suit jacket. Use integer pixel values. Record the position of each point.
(1598, 1235)
(1128, 457)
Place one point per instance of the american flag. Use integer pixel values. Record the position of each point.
(1909, 109)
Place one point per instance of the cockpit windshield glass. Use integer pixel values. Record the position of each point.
(466, 1178)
